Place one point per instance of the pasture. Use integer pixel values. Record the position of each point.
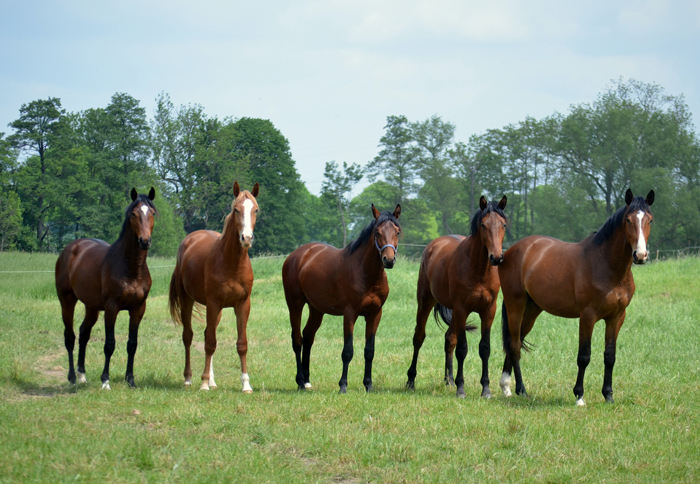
(164, 432)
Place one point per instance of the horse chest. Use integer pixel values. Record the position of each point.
(133, 293)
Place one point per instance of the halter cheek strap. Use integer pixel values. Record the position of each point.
(396, 249)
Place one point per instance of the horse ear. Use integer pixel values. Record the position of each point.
(650, 197)
(502, 203)
(134, 194)
(236, 189)
(483, 203)
(375, 212)
(397, 210)
(256, 189)
(152, 194)
(628, 196)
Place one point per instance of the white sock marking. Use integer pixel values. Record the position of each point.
(81, 378)
(247, 224)
(105, 385)
(641, 243)
(144, 209)
(580, 402)
(505, 384)
(307, 385)
(245, 380)
(212, 383)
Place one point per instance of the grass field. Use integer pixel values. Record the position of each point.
(164, 432)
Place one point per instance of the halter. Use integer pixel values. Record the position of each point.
(396, 247)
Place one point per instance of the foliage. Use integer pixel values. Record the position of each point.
(337, 186)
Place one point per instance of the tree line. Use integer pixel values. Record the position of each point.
(67, 175)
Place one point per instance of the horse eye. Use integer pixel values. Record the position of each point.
(483, 226)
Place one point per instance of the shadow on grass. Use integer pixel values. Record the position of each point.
(34, 389)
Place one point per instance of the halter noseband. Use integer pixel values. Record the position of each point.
(396, 249)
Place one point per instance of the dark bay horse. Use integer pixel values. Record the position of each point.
(591, 280)
(458, 276)
(214, 270)
(107, 278)
(348, 282)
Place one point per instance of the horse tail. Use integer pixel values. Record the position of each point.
(505, 330)
(175, 298)
(446, 315)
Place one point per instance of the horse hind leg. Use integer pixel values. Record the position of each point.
(91, 316)
(309, 335)
(426, 302)
(68, 302)
(186, 317)
(213, 318)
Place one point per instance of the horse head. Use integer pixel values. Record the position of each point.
(492, 228)
(141, 217)
(638, 219)
(245, 212)
(386, 237)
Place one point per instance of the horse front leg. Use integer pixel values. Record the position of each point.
(348, 350)
(372, 323)
(135, 316)
(242, 313)
(213, 318)
(485, 348)
(111, 311)
(458, 325)
(612, 329)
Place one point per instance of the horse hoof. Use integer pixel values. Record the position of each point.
(188, 383)
(71, 379)
(212, 385)
(205, 386)
(411, 385)
(486, 394)
(307, 385)
(343, 390)
(105, 385)
(609, 399)
(368, 389)
(301, 388)
(247, 392)
(580, 402)
(506, 392)
(81, 378)
(461, 393)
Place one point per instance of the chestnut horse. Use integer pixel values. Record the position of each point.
(591, 280)
(214, 270)
(107, 278)
(457, 277)
(349, 282)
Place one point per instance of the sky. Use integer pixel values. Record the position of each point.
(327, 73)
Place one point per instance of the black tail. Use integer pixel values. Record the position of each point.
(505, 330)
(446, 315)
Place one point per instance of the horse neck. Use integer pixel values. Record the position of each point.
(478, 255)
(618, 254)
(370, 260)
(230, 244)
(130, 251)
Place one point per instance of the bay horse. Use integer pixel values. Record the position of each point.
(348, 282)
(591, 280)
(108, 278)
(458, 276)
(214, 270)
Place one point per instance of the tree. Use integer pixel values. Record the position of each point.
(395, 162)
(337, 185)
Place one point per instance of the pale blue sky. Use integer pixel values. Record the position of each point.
(328, 73)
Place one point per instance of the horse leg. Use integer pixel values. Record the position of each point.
(348, 351)
(612, 329)
(485, 348)
(451, 338)
(312, 325)
(372, 323)
(135, 316)
(426, 302)
(585, 333)
(458, 326)
(522, 326)
(295, 310)
(242, 313)
(213, 318)
(68, 302)
(186, 306)
(91, 316)
(111, 312)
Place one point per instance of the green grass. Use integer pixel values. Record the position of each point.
(164, 432)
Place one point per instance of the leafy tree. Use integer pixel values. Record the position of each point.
(337, 186)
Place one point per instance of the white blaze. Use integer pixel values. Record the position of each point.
(247, 223)
(641, 243)
(144, 209)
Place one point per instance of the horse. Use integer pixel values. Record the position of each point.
(348, 282)
(458, 276)
(108, 278)
(213, 270)
(591, 280)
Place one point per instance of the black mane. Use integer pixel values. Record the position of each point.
(141, 198)
(615, 220)
(479, 215)
(367, 231)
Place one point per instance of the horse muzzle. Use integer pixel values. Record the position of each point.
(145, 244)
(639, 260)
(388, 263)
(495, 261)
(247, 240)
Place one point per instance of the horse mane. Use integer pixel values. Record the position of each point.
(479, 215)
(615, 220)
(141, 198)
(367, 231)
